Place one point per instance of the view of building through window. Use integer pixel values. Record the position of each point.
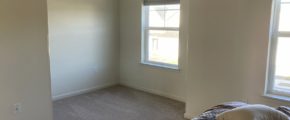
(163, 46)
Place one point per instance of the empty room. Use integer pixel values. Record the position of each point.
(144, 59)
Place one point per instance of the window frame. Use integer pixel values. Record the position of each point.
(145, 40)
(274, 36)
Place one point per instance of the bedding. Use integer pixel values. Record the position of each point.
(211, 113)
(285, 110)
(252, 112)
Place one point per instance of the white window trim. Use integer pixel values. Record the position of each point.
(274, 35)
(145, 33)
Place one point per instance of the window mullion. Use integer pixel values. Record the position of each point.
(284, 34)
(163, 28)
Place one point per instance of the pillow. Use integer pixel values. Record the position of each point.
(252, 112)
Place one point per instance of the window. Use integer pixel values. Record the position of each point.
(161, 33)
(279, 58)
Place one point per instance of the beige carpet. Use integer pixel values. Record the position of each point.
(118, 103)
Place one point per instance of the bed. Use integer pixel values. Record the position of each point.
(212, 113)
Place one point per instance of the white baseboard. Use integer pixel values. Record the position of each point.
(178, 98)
(83, 91)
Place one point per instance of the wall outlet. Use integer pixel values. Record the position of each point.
(17, 108)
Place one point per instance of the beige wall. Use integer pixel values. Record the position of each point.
(84, 45)
(257, 35)
(24, 61)
(160, 81)
(227, 53)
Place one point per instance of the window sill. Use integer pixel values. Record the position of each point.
(277, 97)
(161, 66)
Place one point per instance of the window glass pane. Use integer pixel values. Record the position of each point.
(156, 18)
(164, 16)
(163, 46)
(172, 18)
(172, 7)
(284, 24)
(157, 7)
(284, 1)
(165, 7)
(282, 70)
